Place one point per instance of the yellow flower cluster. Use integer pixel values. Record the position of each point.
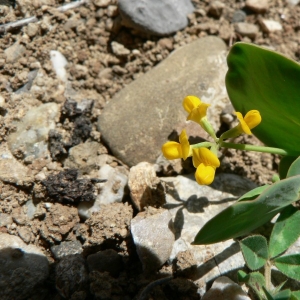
(205, 160)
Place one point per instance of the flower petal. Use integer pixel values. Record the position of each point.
(252, 118)
(185, 145)
(205, 174)
(243, 127)
(206, 157)
(172, 150)
(198, 113)
(190, 102)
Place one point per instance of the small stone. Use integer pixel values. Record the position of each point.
(224, 288)
(101, 3)
(246, 29)
(105, 261)
(71, 276)
(153, 237)
(66, 248)
(14, 52)
(31, 135)
(25, 234)
(11, 170)
(119, 50)
(32, 29)
(145, 187)
(238, 16)
(158, 17)
(2, 102)
(5, 219)
(258, 6)
(112, 11)
(216, 8)
(270, 25)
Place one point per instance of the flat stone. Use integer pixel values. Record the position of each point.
(238, 16)
(14, 52)
(66, 248)
(216, 8)
(11, 170)
(153, 238)
(258, 6)
(141, 117)
(246, 29)
(225, 289)
(23, 264)
(158, 17)
(30, 138)
(191, 206)
(270, 25)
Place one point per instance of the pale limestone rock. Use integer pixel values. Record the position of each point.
(32, 131)
(270, 25)
(145, 187)
(246, 29)
(258, 6)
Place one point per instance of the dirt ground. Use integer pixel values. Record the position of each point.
(84, 35)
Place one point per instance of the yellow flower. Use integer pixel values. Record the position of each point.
(251, 120)
(195, 107)
(206, 163)
(173, 150)
(197, 113)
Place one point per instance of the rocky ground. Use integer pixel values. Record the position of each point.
(86, 212)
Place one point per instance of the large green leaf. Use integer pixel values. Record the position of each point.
(267, 81)
(245, 216)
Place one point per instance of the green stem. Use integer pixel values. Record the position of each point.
(258, 148)
(268, 275)
(200, 145)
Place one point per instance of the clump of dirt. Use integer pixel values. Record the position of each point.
(66, 188)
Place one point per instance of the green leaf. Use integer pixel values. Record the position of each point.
(268, 294)
(255, 280)
(295, 295)
(282, 295)
(245, 216)
(253, 193)
(285, 231)
(289, 265)
(294, 168)
(284, 165)
(267, 81)
(255, 251)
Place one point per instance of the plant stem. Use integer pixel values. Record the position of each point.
(200, 145)
(258, 148)
(268, 274)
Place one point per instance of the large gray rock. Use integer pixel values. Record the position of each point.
(159, 17)
(141, 117)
